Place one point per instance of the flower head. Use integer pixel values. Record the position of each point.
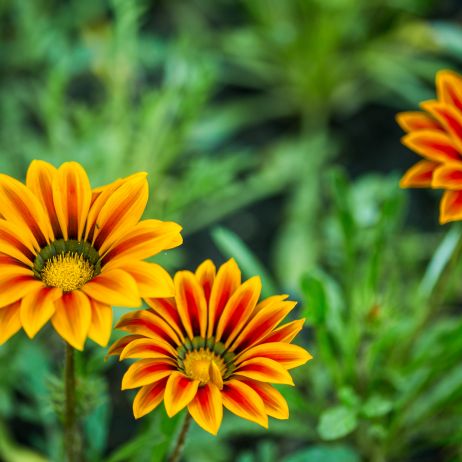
(210, 346)
(67, 252)
(436, 135)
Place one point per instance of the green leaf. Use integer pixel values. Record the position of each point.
(322, 453)
(316, 300)
(337, 422)
(376, 406)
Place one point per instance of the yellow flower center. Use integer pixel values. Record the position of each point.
(69, 271)
(205, 366)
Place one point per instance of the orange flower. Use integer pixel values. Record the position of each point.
(67, 252)
(436, 135)
(213, 345)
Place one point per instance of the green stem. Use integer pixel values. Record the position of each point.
(175, 456)
(71, 435)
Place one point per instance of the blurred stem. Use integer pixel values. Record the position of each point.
(71, 437)
(179, 446)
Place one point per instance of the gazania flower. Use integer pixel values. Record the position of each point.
(436, 135)
(67, 252)
(210, 346)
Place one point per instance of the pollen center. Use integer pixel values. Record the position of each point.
(68, 271)
(205, 366)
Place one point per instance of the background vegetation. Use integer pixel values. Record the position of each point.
(267, 128)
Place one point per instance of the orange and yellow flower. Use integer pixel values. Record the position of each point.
(68, 253)
(436, 135)
(211, 346)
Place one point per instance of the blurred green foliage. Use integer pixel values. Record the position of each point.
(227, 103)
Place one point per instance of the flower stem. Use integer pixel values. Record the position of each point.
(71, 436)
(175, 456)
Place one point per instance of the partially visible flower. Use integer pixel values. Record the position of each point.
(210, 346)
(67, 252)
(436, 135)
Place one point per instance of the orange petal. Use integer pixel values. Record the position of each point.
(147, 238)
(205, 274)
(20, 206)
(263, 322)
(238, 310)
(419, 175)
(148, 398)
(122, 210)
(144, 322)
(449, 88)
(114, 287)
(451, 206)
(10, 268)
(39, 180)
(179, 392)
(10, 322)
(72, 318)
(191, 303)
(148, 348)
(245, 402)
(145, 372)
(414, 121)
(72, 198)
(285, 333)
(17, 242)
(166, 309)
(448, 176)
(207, 408)
(37, 308)
(286, 354)
(450, 118)
(101, 322)
(275, 404)
(433, 145)
(226, 282)
(264, 370)
(152, 280)
(16, 287)
(118, 346)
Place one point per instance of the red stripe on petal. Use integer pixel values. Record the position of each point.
(285, 333)
(419, 175)
(448, 176)
(145, 372)
(414, 121)
(148, 398)
(207, 408)
(451, 206)
(264, 370)
(435, 146)
(179, 392)
(10, 322)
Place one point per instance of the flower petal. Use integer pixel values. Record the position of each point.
(448, 86)
(114, 287)
(419, 175)
(148, 324)
(72, 198)
(122, 210)
(101, 322)
(207, 408)
(10, 322)
(20, 206)
(450, 118)
(433, 145)
(145, 372)
(37, 307)
(148, 348)
(448, 176)
(275, 404)
(286, 354)
(72, 318)
(179, 392)
(118, 346)
(16, 287)
(146, 238)
(205, 274)
(226, 282)
(285, 333)
(166, 309)
(245, 402)
(238, 310)
(148, 398)
(451, 206)
(191, 303)
(17, 242)
(414, 121)
(264, 370)
(39, 180)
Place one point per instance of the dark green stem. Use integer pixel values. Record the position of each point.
(71, 436)
(175, 456)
